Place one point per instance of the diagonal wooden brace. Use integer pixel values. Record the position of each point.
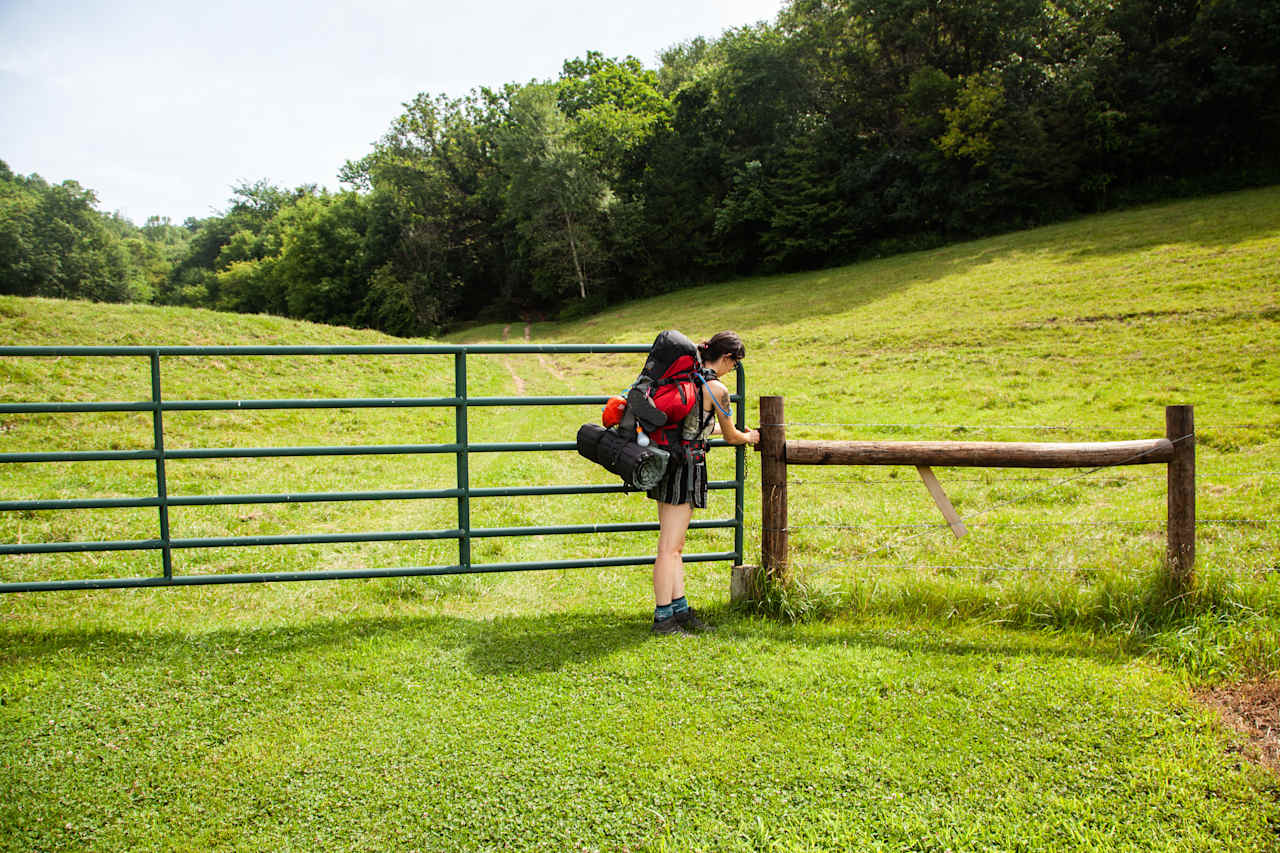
(940, 498)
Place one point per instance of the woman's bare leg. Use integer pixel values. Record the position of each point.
(668, 568)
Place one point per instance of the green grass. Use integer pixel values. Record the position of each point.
(573, 731)
(942, 702)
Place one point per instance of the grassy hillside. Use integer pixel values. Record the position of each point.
(532, 711)
(1078, 332)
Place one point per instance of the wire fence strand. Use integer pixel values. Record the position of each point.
(827, 567)
(952, 567)
(1050, 483)
(1028, 427)
(1003, 524)
(935, 528)
(996, 480)
(1155, 524)
(908, 481)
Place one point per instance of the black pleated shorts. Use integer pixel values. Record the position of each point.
(685, 481)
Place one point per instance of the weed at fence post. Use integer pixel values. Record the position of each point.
(1181, 553)
(789, 599)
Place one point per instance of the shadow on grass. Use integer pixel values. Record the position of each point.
(508, 645)
(547, 642)
(525, 644)
(927, 637)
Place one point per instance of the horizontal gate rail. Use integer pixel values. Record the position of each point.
(461, 448)
(264, 452)
(321, 497)
(328, 403)
(339, 538)
(371, 349)
(354, 574)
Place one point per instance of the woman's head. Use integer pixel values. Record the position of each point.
(722, 344)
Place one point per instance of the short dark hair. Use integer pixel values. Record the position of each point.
(722, 344)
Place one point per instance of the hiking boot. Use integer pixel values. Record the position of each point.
(690, 622)
(669, 627)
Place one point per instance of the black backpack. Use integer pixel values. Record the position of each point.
(668, 387)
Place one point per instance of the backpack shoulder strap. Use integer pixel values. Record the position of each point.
(705, 415)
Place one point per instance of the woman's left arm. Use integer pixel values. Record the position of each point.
(730, 432)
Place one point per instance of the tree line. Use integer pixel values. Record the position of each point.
(840, 130)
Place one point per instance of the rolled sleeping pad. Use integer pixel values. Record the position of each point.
(639, 467)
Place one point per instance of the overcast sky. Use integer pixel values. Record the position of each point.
(160, 107)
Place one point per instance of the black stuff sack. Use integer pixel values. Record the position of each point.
(639, 467)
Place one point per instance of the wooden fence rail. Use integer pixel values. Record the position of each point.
(1176, 450)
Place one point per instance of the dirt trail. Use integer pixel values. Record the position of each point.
(506, 362)
(547, 364)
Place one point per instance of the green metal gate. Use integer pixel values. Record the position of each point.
(462, 492)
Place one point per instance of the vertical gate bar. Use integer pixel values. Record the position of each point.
(162, 486)
(1180, 428)
(740, 470)
(464, 474)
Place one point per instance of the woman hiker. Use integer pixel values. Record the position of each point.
(684, 486)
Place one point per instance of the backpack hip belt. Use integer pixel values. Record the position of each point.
(695, 449)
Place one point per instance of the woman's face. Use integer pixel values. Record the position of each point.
(724, 364)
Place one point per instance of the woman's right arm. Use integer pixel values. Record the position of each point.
(730, 432)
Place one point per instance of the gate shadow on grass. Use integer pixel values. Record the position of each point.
(524, 644)
(512, 645)
(499, 646)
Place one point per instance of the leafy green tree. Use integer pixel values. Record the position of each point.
(614, 107)
(556, 196)
(322, 269)
(156, 247)
(844, 128)
(53, 242)
(247, 231)
(738, 102)
(437, 233)
(250, 287)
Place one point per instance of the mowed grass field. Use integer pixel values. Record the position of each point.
(1026, 687)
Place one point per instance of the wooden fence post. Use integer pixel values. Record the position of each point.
(773, 489)
(1179, 424)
